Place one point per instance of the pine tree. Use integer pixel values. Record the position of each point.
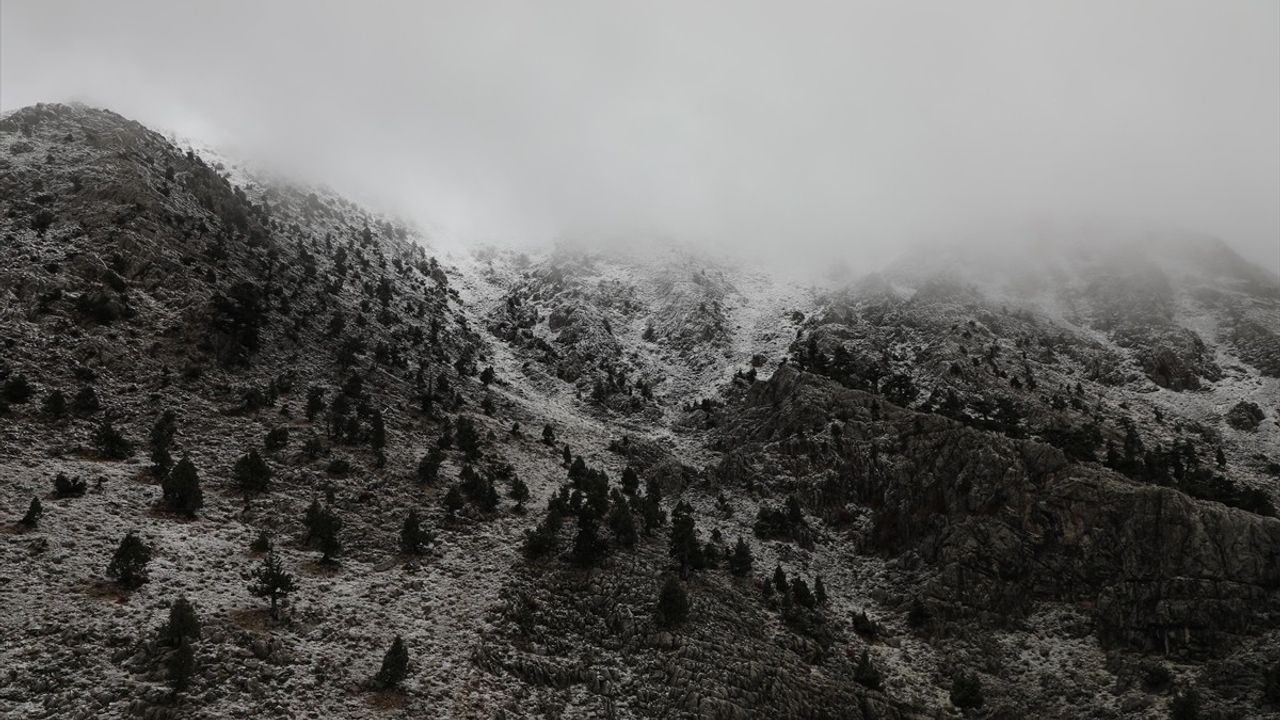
(271, 581)
(519, 493)
(86, 401)
(1185, 705)
(161, 439)
(378, 431)
(180, 666)
(630, 480)
(966, 691)
(548, 434)
(487, 375)
(621, 521)
(252, 474)
(413, 539)
(261, 543)
(110, 443)
(453, 501)
(866, 674)
(55, 404)
(315, 402)
(587, 544)
(128, 566)
(395, 665)
(1271, 685)
(673, 604)
(819, 591)
(276, 439)
(918, 615)
(429, 467)
(685, 546)
(64, 486)
(181, 488)
(34, 511)
(327, 527)
(800, 591)
(653, 490)
(566, 456)
(468, 437)
(780, 580)
(17, 389)
(740, 561)
(182, 625)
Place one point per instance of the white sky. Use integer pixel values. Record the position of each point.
(841, 128)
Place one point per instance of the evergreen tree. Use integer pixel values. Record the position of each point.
(740, 561)
(918, 615)
(966, 691)
(621, 522)
(64, 486)
(327, 527)
(653, 490)
(567, 456)
(1185, 705)
(111, 445)
(86, 401)
(276, 439)
(55, 404)
(866, 674)
(819, 591)
(487, 375)
(128, 566)
(800, 591)
(587, 544)
(34, 511)
(395, 665)
(182, 625)
(630, 481)
(673, 604)
(252, 474)
(429, 467)
(378, 431)
(315, 402)
(468, 437)
(539, 541)
(1271, 684)
(17, 389)
(685, 546)
(180, 666)
(780, 580)
(519, 493)
(453, 501)
(261, 543)
(548, 434)
(271, 581)
(413, 539)
(181, 489)
(312, 518)
(161, 439)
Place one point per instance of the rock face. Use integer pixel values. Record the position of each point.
(1005, 522)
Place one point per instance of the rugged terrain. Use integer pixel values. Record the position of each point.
(1054, 477)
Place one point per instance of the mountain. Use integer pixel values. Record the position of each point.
(975, 482)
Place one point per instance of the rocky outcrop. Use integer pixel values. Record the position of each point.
(1005, 522)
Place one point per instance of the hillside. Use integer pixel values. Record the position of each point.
(1045, 488)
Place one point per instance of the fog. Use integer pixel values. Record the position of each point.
(819, 129)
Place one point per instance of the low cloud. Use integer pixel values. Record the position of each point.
(817, 128)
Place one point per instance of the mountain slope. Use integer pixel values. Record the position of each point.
(1056, 476)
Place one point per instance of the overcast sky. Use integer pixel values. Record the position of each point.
(842, 127)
